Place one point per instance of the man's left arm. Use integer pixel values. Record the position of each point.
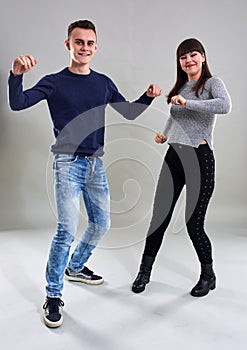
(131, 110)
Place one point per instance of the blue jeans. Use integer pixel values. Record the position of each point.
(74, 175)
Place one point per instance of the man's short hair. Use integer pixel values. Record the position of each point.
(84, 24)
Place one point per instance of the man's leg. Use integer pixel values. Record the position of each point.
(67, 194)
(97, 201)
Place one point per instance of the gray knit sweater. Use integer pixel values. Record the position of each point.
(195, 122)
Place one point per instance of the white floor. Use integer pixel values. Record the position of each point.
(110, 316)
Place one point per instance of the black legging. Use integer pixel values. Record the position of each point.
(195, 168)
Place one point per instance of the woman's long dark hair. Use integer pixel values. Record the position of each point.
(189, 45)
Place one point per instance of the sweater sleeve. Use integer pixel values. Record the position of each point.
(129, 110)
(167, 126)
(20, 99)
(220, 103)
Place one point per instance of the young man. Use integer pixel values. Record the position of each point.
(77, 97)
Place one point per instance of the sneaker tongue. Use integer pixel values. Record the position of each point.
(87, 271)
(54, 306)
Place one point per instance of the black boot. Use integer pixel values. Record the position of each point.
(206, 282)
(143, 276)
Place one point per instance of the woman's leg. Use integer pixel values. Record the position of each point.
(196, 213)
(195, 217)
(170, 185)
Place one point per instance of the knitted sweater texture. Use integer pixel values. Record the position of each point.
(77, 107)
(196, 122)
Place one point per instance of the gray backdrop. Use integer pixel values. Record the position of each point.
(137, 41)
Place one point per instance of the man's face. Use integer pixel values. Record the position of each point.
(82, 45)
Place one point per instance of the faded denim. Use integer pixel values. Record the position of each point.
(73, 176)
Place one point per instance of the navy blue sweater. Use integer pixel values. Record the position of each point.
(77, 107)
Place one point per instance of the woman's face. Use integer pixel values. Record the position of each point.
(191, 63)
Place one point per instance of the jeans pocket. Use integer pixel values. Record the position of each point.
(61, 160)
(65, 158)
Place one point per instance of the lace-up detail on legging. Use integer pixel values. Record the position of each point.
(195, 224)
(193, 167)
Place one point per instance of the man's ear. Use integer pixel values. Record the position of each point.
(67, 44)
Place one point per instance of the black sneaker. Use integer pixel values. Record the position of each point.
(85, 276)
(52, 315)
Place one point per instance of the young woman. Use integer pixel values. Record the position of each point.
(196, 98)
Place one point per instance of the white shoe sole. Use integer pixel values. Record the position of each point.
(78, 279)
(50, 324)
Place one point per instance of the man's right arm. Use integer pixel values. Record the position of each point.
(19, 99)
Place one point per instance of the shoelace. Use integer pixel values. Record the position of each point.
(144, 274)
(53, 305)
